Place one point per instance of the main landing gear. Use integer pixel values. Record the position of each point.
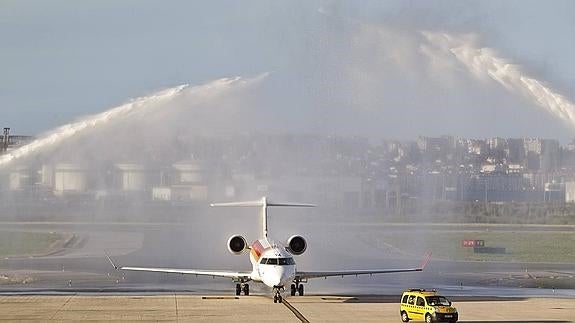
(242, 288)
(277, 295)
(296, 288)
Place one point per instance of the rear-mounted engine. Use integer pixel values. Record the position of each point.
(237, 244)
(296, 245)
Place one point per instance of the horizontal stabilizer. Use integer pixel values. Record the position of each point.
(264, 204)
(260, 203)
(291, 204)
(248, 203)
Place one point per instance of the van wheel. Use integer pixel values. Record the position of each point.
(428, 318)
(404, 317)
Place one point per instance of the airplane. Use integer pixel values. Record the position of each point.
(273, 263)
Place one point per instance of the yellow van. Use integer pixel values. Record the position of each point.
(427, 305)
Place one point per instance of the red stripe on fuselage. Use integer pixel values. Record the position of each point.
(257, 250)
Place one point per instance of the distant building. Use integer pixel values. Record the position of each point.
(435, 149)
(515, 151)
(570, 192)
(443, 143)
(497, 143)
(550, 155)
(477, 147)
(533, 145)
(554, 192)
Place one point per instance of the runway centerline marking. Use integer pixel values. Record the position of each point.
(61, 308)
(176, 301)
(295, 311)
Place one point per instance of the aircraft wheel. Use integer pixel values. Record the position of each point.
(238, 289)
(292, 290)
(300, 290)
(275, 299)
(246, 289)
(280, 299)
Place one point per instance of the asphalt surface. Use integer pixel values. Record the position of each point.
(189, 308)
(82, 267)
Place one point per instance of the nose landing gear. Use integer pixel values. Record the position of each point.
(277, 295)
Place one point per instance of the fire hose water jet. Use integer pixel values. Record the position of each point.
(152, 101)
(485, 63)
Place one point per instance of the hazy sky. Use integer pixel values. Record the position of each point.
(355, 67)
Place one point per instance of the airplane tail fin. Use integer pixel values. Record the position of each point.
(264, 204)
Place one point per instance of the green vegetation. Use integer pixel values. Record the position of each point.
(521, 246)
(481, 212)
(27, 243)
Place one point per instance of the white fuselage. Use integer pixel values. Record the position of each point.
(272, 263)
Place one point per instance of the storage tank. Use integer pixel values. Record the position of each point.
(161, 193)
(69, 178)
(47, 176)
(18, 178)
(189, 172)
(189, 181)
(132, 177)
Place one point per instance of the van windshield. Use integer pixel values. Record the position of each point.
(437, 301)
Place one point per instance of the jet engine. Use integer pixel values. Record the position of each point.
(296, 245)
(237, 244)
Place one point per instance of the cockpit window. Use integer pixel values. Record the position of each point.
(286, 261)
(277, 261)
(272, 261)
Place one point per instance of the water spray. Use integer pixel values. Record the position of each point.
(152, 101)
(66, 131)
(485, 63)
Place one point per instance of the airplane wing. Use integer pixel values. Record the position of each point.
(213, 273)
(318, 274)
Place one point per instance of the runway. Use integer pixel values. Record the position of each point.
(78, 283)
(83, 266)
(214, 308)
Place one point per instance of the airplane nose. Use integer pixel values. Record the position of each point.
(272, 281)
(279, 277)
